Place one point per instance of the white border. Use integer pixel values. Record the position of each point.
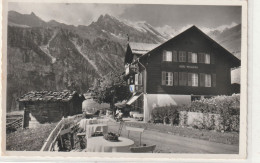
(243, 129)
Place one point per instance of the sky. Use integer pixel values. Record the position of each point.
(159, 16)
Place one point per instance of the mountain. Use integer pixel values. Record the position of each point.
(230, 38)
(30, 20)
(56, 56)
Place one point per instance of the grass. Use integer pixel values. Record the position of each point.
(29, 139)
(209, 135)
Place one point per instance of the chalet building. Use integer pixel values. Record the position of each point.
(187, 67)
(49, 106)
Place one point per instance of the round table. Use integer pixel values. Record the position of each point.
(99, 144)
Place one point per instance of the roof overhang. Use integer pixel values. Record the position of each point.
(133, 98)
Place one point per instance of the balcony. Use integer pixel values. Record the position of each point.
(130, 69)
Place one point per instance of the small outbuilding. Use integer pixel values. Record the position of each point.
(50, 106)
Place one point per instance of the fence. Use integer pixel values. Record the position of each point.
(50, 141)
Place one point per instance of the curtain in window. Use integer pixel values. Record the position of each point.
(207, 80)
(207, 58)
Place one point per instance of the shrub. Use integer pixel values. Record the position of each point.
(219, 113)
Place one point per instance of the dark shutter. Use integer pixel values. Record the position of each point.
(175, 78)
(174, 56)
(164, 56)
(202, 80)
(163, 78)
(189, 57)
(180, 78)
(189, 79)
(185, 78)
(212, 58)
(214, 80)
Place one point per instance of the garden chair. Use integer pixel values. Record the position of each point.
(140, 130)
(142, 149)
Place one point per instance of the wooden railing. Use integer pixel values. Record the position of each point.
(52, 138)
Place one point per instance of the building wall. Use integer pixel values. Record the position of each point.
(190, 42)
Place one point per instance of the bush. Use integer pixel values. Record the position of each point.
(219, 113)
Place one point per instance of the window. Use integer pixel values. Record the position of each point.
(192, 57)
(174, 56)
(192, 79)
(167, 78)
(204, 58)
(138, 79)
(182, 78)
(207, 80)
(207, 58)
(182, 56)
(167, 56)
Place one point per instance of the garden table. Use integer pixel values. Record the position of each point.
(99, 144)
(84, 122)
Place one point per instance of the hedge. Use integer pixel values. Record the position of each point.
(217, 113)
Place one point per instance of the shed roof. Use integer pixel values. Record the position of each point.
(141, 48)
(48, 96)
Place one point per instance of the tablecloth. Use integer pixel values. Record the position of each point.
(84, 122)
(99, 144)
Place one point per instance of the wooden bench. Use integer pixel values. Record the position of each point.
(134, 129)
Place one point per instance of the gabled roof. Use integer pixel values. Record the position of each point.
(48, 96)
(196, 29)
(142, 48)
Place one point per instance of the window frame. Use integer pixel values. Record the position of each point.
(167, 54)
(182, 56)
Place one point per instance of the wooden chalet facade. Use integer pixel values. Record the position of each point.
(189, 66)
(49, 106)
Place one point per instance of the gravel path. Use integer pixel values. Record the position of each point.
(168, 143)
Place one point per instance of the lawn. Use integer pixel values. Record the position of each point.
(209, 135)
(29, 139)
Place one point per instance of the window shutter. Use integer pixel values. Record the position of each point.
(189, 79)
(164, 55)
(174, 56)
(180, 78)
(171, 79)
(203, 58)
(202, 80)
(212, 57)
(185, 76)
(214, 80)
(140, 79)
(163, 78)
(189, 57)
(136, 79)
(176, 78)
(199, 58)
